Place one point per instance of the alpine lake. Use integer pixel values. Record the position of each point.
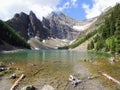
(53, 67)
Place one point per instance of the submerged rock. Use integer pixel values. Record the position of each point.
(29, 87)
(47, 87)
(112, 60)
(2, 69)
(13, 76)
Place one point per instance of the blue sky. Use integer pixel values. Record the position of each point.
(85, 9)
(77, 9)
(77, 12)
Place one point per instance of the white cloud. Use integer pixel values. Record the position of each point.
(67, 5)
(98, 7)
(40, 7)
(74, 2)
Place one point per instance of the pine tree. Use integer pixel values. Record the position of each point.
(117, 35)
(112, 24)
(107, 27)
(90, 45)
(99, 45)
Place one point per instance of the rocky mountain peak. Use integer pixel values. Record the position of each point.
(59, 26)
(62, 14)
(37, 26)
(52, 15)
(62, 18)
(67, 19)
(19, 23)
(28, 25)
(32, 15)
(20, 15)
(23, 14)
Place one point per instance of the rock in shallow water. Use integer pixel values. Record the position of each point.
(47, 87)
(29, 87)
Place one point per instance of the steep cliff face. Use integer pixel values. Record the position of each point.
(36, 27)
(28, 25)
(20, 23)
(60, 26)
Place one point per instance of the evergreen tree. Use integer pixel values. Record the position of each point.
(117, 35)
(112, 46)
(90, 45)
(112, 24)
(107, 27)
(97, 38)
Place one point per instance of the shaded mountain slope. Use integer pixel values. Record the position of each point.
(9, 37)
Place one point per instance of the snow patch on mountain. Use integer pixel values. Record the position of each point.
(82, 27)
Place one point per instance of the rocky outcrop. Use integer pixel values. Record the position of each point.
(37, 27)
(20, 23)
(28, 26)
(60, 26)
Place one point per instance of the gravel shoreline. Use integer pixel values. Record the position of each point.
(82, 71)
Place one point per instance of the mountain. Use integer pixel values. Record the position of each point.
(103, 34)
(52, 28)
(57, 26)
(64, 27)
(10, 39)
(28, 25)
(60, 26)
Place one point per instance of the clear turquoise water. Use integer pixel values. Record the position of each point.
(51, 55)
(53, 63)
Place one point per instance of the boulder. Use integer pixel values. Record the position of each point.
(29, 87)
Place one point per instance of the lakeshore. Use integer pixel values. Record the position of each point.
(54, 72)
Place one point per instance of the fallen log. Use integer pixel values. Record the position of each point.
(17, 82)
(109, 77)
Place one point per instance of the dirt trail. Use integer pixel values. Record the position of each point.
(82, 72)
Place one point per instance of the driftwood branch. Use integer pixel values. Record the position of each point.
(17, 82)
(109, 77)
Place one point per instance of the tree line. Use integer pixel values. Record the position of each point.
(108, 34)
